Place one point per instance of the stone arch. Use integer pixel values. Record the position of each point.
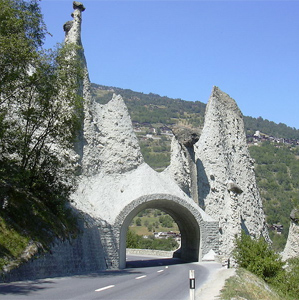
(186, 214)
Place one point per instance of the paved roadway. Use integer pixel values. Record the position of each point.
(146, 278)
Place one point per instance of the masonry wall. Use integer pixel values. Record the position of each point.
(84, 254)
(209, 237)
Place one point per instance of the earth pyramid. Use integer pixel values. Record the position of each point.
(209, 188)
(291, 249)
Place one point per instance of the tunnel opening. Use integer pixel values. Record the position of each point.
(153, 229)
(188, 227)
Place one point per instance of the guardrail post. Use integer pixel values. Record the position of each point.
(192, 284)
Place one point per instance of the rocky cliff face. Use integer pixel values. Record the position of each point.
(215, 170)
(227, 187)
(292, 246)
(107, 142)
(182, 166)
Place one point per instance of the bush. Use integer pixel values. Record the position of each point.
(288, 284)
(256, 256)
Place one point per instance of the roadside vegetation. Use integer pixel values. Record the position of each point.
(261, 274)
(246, 285)
(40, 115)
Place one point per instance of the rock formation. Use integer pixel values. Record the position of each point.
(292, 246)
(115, 177)
(113, 186)
(214, 171)
(227, 187)
(182, 166)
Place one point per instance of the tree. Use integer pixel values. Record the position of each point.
(138, 222)
(37, 120)
(133, 239)
(40, 112)
(256, 256)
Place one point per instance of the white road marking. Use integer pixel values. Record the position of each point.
(160, 271)
(166, 267)
(143, 276)
(105, 288)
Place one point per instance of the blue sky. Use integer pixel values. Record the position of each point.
(181, 49)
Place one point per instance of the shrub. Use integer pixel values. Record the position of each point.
(256, 256)
(288, 284)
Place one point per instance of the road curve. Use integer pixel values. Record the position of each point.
(146, 278)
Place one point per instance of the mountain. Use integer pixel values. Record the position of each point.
(156, 110)
(273, 146)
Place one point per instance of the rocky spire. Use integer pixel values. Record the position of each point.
(73, 28)
(292, 246)
(107, 142)
(182, 166)
(113, 146)
(227, 187)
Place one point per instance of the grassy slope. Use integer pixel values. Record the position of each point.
(150, 216)
(27, 225)
(245, 285)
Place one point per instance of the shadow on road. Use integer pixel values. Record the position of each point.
(25, 287)
(155, 262)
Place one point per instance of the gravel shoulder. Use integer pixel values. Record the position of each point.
(211, 289)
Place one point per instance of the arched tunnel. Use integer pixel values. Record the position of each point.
(188, 225)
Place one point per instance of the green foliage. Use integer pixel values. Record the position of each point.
(156, 153)
(245, 285)
(166, 221)
(132, 240)
(138, 242)
(12, 243)
(153, 108)
(138, 222)
(270, 128)
(289, 283)
(154, 219)
(277, 174)
(40, 114)
(256, 256)
(22, 31)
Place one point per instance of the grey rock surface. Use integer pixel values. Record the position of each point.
(110, 144)
(227, 187)
(292, 246)
(78, 5)
(294, 215)
(179, 168)
(186, 136)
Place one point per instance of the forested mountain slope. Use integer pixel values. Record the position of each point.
(276, 150)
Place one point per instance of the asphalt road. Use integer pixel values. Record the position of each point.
(146, 278)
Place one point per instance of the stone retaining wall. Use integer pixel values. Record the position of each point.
(81, 255)
(149, 252)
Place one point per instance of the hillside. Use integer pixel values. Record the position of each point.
(275, 149)
(165, 111)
